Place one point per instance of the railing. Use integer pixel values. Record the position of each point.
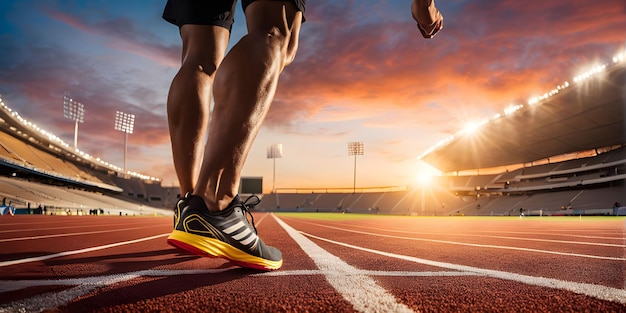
(301, 190)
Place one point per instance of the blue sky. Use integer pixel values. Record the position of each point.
(363, 73)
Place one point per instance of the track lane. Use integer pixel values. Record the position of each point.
(235, 287)
(299, 286)
(490, 254)
(473, 235)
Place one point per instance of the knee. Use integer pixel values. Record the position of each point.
(193, 78)
(195, 67)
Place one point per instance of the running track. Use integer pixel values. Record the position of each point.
(345, 264)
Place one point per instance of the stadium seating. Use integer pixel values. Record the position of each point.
(549, 189)
(33, 174)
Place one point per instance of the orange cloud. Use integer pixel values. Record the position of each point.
(490, 54)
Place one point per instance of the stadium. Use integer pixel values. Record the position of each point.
(572, 161)
(562, 154)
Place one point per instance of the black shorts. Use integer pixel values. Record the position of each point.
(218, 13)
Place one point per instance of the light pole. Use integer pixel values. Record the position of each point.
(355, 148)
(274, 152)
(124, 122)
(73, 110)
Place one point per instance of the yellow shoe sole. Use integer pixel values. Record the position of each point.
(210, 247)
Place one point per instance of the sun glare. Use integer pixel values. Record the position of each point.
(424, 173)
(424, 178)
(470, 128)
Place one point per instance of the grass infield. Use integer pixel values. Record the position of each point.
(357, 216)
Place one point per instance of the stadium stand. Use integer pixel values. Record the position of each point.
(580, 124)
(38, 172)
(554, 189)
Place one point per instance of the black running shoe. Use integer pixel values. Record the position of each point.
(180, 205)
(226, 234)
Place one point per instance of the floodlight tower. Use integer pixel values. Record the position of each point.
(73, 110)
(355, 148)
(274, 152)
(124, 122)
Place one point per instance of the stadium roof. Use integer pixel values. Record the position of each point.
(588, 114)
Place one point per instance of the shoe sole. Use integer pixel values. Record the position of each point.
(214, 248)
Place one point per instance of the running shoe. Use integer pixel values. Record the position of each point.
(226, 234)
(180, 204)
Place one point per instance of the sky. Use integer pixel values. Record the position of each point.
(363, 73)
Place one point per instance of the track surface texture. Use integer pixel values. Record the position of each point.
(332, 263)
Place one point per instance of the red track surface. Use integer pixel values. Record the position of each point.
(364, 263)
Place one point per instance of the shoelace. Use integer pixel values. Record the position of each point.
(245, 206)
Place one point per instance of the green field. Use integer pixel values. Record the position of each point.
(357, 216)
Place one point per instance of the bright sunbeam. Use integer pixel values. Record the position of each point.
(424, 173)
(470, 128)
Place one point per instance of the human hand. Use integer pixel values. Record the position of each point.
(429, 19)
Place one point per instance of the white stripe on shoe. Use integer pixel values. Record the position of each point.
(245, 235)
(234, 228)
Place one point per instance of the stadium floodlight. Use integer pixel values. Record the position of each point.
(274, 152)
(355, 148)
(75, 111)
(124, 122)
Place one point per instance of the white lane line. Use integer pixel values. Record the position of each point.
(508, 237)
(52, 300)
(592, 290)
(615, 234)
(12, 285)
(22, 230)
(358, 289)
(257, 223)
(557, 241)
(372, 273)
(85, 285)
(476, 244)
(85, 250)
(553, 234)
(76, 234)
